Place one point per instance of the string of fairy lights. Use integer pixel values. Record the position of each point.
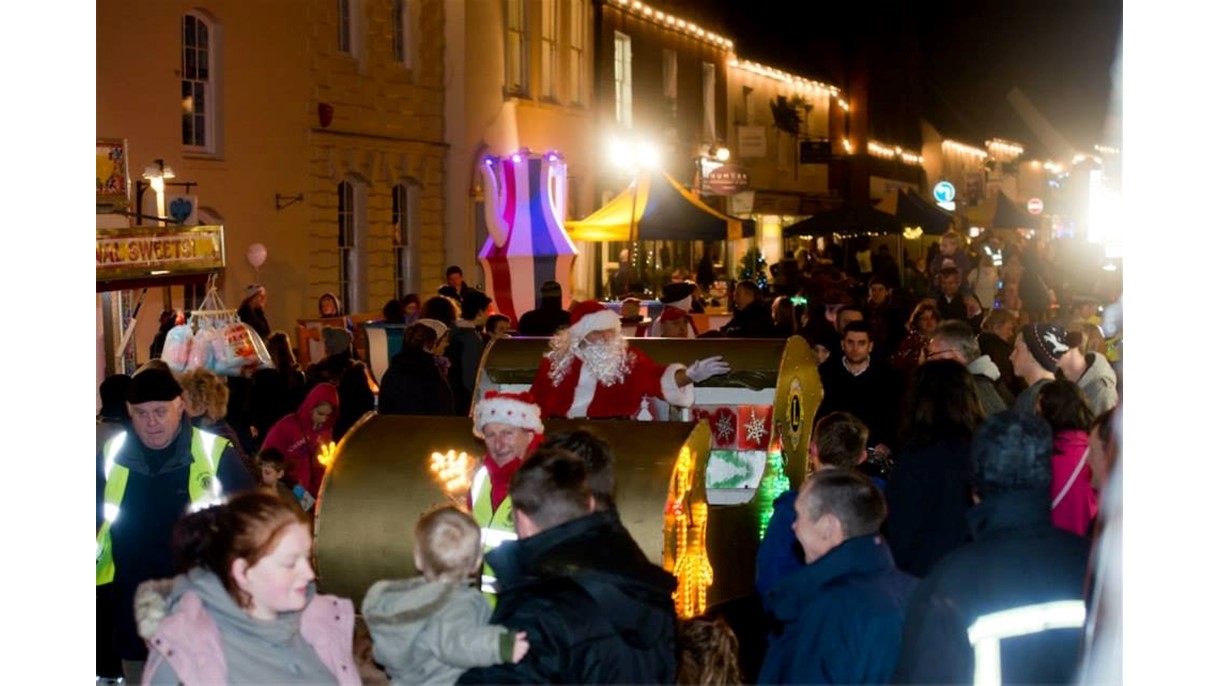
(675, 23)
(995, 148)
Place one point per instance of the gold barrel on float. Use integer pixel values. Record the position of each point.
(390, 470)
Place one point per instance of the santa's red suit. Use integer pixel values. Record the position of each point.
(579, 394)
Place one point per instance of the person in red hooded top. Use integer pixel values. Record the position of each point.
(301, 435)
(591, 371)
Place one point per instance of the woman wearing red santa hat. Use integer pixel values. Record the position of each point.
(591, 371)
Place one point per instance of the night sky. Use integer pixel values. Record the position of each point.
(957, 59)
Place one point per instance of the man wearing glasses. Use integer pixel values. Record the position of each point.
(955, 340)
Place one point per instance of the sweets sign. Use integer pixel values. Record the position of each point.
(200, 248)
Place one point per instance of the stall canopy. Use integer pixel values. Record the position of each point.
(1009, 215)
(915, 211)
(664, 211)
(849, 219)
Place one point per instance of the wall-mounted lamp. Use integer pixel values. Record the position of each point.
(154, 177)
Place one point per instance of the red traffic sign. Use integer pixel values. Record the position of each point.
(1034, 205)
(728, 179)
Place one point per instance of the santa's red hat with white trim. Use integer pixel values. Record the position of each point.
(513, 409)
(590, 316)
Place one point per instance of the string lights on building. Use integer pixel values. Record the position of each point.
(963, 149)
(1004, 150)
(894, 152)
(1107, 150)
(797, 82)
(672, 22)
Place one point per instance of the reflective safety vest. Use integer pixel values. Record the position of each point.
(494, 527)
(203, 487)
(988, 630)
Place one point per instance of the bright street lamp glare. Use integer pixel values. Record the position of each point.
(647, 155)
(621, 154)
(722, 154)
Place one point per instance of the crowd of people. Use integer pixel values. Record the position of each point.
(958, 460)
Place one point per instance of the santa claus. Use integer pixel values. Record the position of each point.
(590, 371)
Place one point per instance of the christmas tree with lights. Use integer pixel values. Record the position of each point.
(754, 268)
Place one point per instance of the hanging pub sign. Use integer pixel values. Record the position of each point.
(728, 179)
(113, 181)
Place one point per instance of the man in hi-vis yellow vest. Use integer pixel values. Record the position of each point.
(511, 426)
(148, 477)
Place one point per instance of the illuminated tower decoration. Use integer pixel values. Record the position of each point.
(685, 554)
(526, 201)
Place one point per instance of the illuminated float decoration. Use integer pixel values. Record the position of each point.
(525, 201)
(696, 503)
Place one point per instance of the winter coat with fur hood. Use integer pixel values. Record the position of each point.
(994, 397)
(197, 634)
(429, 632)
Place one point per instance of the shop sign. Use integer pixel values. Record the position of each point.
(728, 179)
(199, 248)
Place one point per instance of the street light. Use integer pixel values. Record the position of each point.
(155, 174)
(634, 156)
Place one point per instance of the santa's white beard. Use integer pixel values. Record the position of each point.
(607, 361)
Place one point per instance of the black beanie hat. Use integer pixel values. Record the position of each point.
(1047, 343)
(153, 384)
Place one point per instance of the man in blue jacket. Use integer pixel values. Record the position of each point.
(841, 615)
(839, 442)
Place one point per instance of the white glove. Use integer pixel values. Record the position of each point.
(702, 370)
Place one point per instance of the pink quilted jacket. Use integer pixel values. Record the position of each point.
(190, 640)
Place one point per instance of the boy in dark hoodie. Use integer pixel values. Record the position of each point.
(430, 629)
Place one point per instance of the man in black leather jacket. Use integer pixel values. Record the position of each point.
(595, 609)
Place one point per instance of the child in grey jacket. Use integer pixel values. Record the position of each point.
(429, 630)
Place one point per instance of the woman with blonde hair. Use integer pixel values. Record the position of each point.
(708, 652)
(205, 396)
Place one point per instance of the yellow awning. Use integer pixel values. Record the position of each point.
(664, 210)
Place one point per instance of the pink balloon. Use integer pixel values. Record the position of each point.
(256, 255)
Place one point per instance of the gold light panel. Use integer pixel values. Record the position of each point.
(451, 471)
(326, 455)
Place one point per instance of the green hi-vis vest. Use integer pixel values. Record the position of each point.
(494, 527)
(203, 487)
